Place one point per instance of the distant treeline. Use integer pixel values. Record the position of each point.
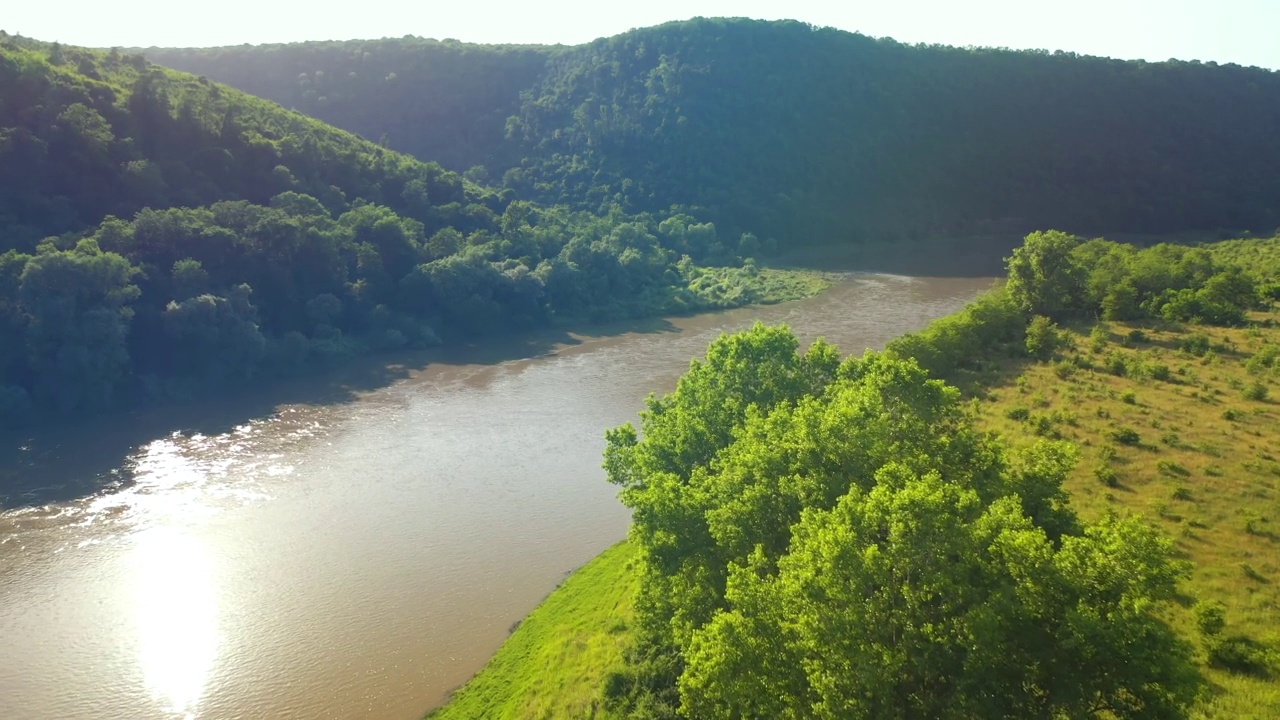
(808, 135)
(160, 233)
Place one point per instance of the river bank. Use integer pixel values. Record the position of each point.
(329, 548)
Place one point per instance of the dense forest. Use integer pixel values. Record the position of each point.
(160, 233)
(805, 134)
(827, 539)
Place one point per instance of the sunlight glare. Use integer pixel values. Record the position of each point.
(177, 616)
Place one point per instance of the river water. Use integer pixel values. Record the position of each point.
(348, 546)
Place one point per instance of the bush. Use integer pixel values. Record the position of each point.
(1064, 369)
(1211, 618)
(1158, 371)
(1116, 364)
(1240, 654)
(1043, 338)
(1196, 344)
(1256, 391)
(1099, 336)
(1106, 475)
(1017, 413)
(989, 323)
(1125, 435)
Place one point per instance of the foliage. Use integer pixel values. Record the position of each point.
(986, 326)
(1061, 276)
(1042, 338)
(852, 546)
(851, 137)
(194, 235)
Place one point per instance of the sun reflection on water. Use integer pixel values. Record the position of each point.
(176, 608)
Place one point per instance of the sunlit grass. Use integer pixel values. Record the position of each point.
(555, 663)
(1205, 467)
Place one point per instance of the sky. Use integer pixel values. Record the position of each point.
(1238, 31)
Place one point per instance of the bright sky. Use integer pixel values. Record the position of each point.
(1239, 31)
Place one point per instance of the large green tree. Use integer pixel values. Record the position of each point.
(823, 541)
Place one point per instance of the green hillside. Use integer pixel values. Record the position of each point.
(808, 135)
(161, 234)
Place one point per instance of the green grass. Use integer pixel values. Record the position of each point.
(1205, 467)
(554, 665)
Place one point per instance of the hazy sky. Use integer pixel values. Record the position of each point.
(1240, 31)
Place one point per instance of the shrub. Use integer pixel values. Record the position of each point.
(1240, 654)
(1116, 364)
(1125, 435)
(1256, 391)
(1211, 618)
(1043, 338)
(1017, 413)
(1195, 343)
(1099, 336)
(1041, 425)
(1158, 371)
(1106, 475)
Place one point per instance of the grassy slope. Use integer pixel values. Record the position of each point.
(555, 663)
(1212, 483)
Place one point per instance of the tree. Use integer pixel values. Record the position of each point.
(78, 305)
(919, 599)
(214, 337)
(1044, 276)
(855, 547)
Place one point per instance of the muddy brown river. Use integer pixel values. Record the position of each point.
(347, 546)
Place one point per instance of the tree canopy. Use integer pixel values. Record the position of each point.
(807, 134)
(160, 234)
(835, 540)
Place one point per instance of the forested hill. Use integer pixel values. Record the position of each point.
(439, 100)
(808, 134)
(161, 233)
(85, 134)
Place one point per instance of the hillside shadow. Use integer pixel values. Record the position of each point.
(66, 460)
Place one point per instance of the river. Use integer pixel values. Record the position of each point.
(347, 546)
